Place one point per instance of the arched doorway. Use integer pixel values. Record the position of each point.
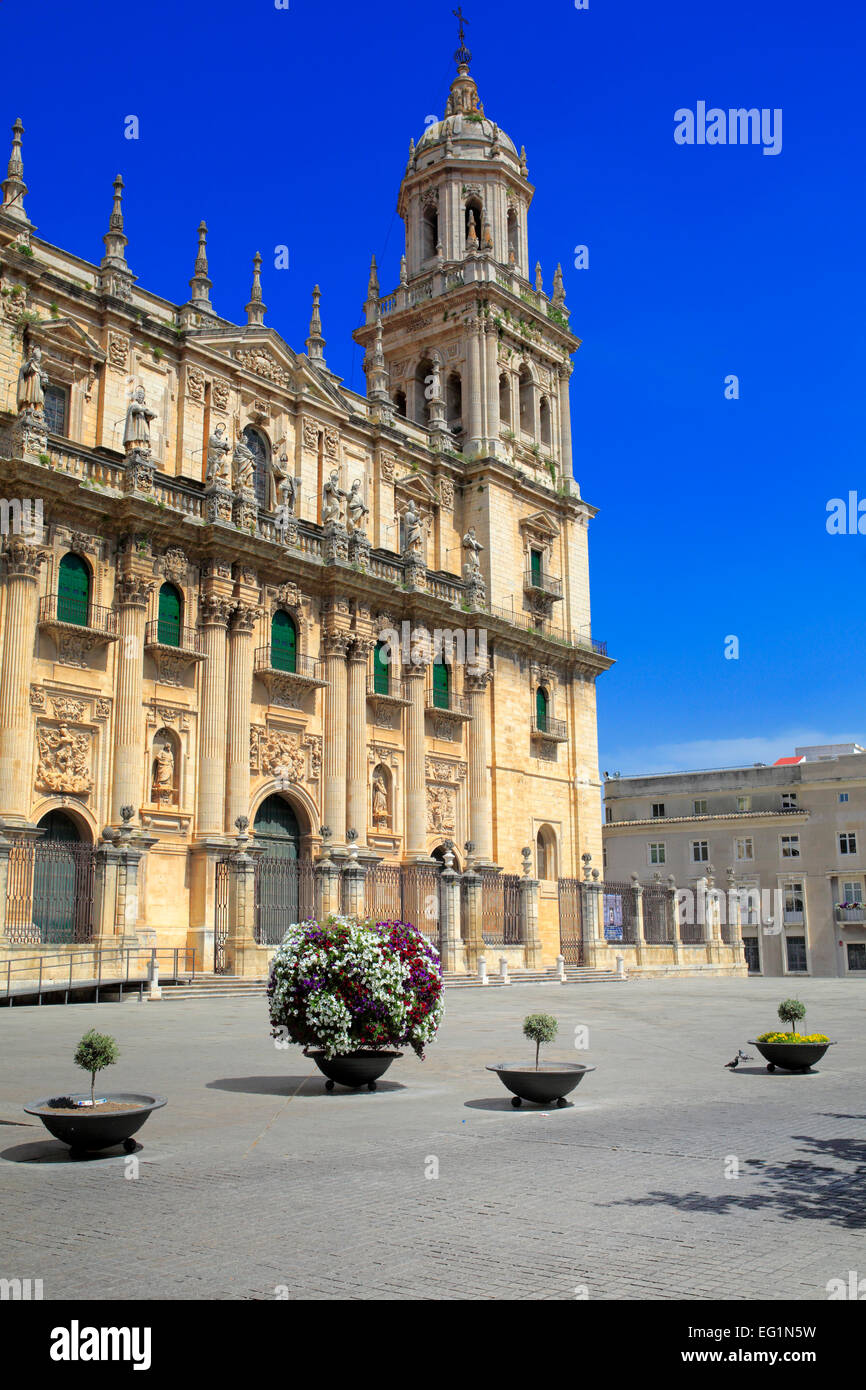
(62, 880)
(283, 883)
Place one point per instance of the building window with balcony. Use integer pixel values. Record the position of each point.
(656, 853)
(56, 409)
(168, 624)
(851, 909)
(441, 685)
(284, 642)
(700, 851)
(658, 809)
(852, 892)
(381, 669)
(792, 898)
(73, 590)
(700, 807)
(744, 849)
(542, 709)
(790, 846)
(744, 803)
(848, 842)
(795, 955)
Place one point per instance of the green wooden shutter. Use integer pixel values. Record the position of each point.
(535, 567)
(168, 623)
(440, 685)
(541, 710)
(73, 591)
(284, 642)
(381, 670)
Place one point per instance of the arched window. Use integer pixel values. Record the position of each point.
(544, 420)
(381, 669)
(505, 400)
(441, 685)
(170, 613)
(73, 590)
(400, 403)
(513, 236)
(284, 642)
(454, 401)
(429, 232)
(527, 419)
(545, 853)
(542, 704)
(473, 217)
(258, 447)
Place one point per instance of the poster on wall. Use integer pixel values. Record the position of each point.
(612, 909)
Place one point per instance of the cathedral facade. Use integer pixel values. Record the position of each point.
(251, 617)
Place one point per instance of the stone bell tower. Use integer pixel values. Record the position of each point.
(473, 348)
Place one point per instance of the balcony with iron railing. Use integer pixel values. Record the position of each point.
(851, 914)
(286, 674)
(446, 703)
(388, 690)
(172, 637)
(553, 730)
(65, 617)
(540, 581)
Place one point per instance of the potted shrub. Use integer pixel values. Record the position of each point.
(352, 992)
(87, 1123)
(791, 1051)
(544, 1082)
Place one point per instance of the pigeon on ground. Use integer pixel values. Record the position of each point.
(740, 1057)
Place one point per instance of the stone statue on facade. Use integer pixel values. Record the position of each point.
(356, 510)
(472, 548)
(136, 432)
(218, 449)
(333, 497)
(244, 468)
(280, 485)
(32, 381)
(414, 531)
(163, 775)
(381, 812)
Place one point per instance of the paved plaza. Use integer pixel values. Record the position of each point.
(254, 1183)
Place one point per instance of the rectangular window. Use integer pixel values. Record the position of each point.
(535, 560)
(744, 849)
(752, 954)
(852, 892)
(55, 408)
(795, 947)
(843, 796)
(790, 846)
(744, 803)
(789, 801)
(700, 851)
(793, 900)
(608, 814)
(657, 853)
(658, 808)
(857, 955)
(700, 808)
(848, 842)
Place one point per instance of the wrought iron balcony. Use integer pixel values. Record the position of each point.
(285, 686)
(171, 637)
(541, 582)
(394, 693)
(59, 610)
(554, 730)
(448, 704)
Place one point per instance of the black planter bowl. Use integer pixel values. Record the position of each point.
(791, 1056)
(553, 1081)
(90, 1129)
(353, 1069)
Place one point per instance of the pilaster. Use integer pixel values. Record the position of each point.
(23, 562)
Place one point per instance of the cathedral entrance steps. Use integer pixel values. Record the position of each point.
(216, 987)
(574, 975)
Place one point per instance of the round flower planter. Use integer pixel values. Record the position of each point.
(791, 1056)
(88, 1130)
(551, 1081)
(353, 1069)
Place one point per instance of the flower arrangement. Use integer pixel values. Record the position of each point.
(792, 1038)
(345, 985)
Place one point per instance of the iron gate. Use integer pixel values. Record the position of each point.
(619, 913)
(405, 893)
(284, 893)
(49, 891)
(571, 931)
(656, 923)
(221, 917)
(500, 908)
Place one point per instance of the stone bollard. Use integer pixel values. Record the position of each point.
(560, 968)
(482, 969)
(503, 970)
(154, 991)
(620, 966)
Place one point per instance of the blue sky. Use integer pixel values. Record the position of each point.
(292, 127)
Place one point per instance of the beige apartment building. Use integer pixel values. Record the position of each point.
(208, 545)
(794, 832)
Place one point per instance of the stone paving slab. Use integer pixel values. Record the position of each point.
(254, 1178)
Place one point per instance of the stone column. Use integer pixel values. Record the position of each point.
(529, 937)
(449, 920)
(472, 938)
(639, 931)
(354, 874)
(475, 686)
(565, 421)
(416, 787)
(356, 763)
(244, 621)
(23, 562)
(327, 887)
(492, 346)
(674, 933)
(593, 892)
(476, 427)
(243, 954)
(215, 614)
(336, 644)
(132, 590)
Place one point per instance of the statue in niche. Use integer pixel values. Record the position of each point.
(332, 500)
(381, 811)
(32, 381)
(244, 468)
(163, 775)
(281, 488)
(218, 449)
(136, 431)
(472, 547)
(356, 509)
(414, 530)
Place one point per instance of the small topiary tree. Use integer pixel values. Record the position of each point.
(791, 1011)
(94, 1052)
(540, 1028)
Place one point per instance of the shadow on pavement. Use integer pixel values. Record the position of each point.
(301, 1087)
(52, 1151)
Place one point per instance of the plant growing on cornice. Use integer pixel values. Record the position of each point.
(22, 250)
(557, 315)
(46, 459)
(158, 353)
(54, 310)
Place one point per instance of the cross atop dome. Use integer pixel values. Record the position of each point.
(462, 56)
